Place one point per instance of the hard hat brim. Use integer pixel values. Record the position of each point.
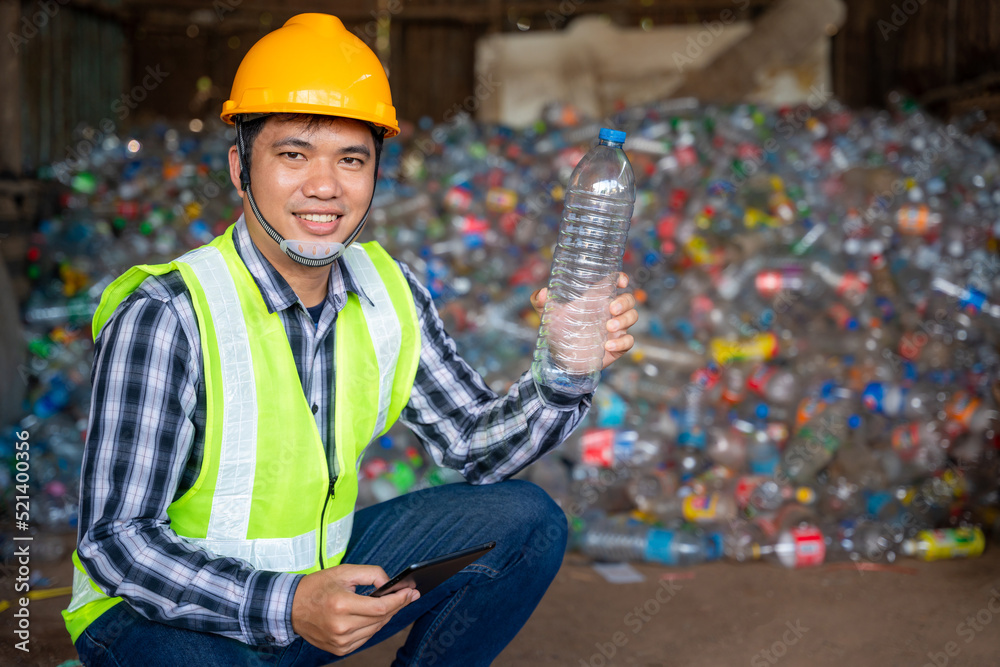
(230, 109)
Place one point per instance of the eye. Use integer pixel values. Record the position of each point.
(292, 155)
(353, 161)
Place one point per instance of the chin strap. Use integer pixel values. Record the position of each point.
(323, 254)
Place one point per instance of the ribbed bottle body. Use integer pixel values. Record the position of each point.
(585, 266)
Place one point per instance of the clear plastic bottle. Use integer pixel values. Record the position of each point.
(780, 386)
(855, 459)
(921, 444)
(763, 454)
(734, 384)
(588, 256)
(973, 414)
(849, 285)
(862, 541)
(802, 546)
(816, 443)
(677, 356)
(700, 508)
(742, 541)
(727, 446)
(651, 486)
(969, 298)
(758, 493)
(626, 542)
(895, 400)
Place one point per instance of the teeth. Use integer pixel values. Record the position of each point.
(311, 217)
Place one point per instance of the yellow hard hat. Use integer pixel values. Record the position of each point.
(312, 64)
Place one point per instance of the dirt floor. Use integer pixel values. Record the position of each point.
(717, 615)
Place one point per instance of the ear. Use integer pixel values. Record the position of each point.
(234, 169)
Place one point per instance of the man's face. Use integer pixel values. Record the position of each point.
(311, 182)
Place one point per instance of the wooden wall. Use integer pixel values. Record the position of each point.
(70, 69)
(944, 52)
(431, 43)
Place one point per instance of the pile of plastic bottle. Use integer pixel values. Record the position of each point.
(817, 351)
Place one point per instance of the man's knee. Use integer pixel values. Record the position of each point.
(537, 505)
(545, 524)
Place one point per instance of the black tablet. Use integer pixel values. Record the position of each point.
(427, 574)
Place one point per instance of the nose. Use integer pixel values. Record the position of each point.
(322, 182)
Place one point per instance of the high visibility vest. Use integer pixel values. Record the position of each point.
(264, 493)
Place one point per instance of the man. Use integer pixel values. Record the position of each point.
(236, 388)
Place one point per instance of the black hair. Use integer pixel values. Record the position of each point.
(252, 129)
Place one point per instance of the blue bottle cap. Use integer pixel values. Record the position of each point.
(826, 391)
(713, 546)
(607, 134)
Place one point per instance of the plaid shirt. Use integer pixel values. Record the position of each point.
(147, 435)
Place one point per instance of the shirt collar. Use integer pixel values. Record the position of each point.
(277, 293)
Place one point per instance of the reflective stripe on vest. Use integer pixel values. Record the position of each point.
(383, 326)
(377, 347)
(234, 488)
(289, 554)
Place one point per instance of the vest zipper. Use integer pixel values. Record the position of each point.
(322, 523)
(330, 438)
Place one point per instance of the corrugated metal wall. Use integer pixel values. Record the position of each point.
(73, 68)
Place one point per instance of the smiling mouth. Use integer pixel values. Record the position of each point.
(318, 218)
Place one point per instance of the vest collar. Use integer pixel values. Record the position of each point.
(277, 293)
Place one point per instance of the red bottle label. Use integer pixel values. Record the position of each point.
(810, 549)
(760, 378)
(597, 447)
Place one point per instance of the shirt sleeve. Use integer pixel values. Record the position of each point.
(146, 378)
(467, 426)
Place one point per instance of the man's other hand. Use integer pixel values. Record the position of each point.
(623, 313)
(328, 614)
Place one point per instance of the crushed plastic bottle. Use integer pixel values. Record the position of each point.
(614, 542)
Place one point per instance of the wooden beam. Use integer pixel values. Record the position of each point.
(492, 12)
(347, 10)
(10, 103)
(949, 93)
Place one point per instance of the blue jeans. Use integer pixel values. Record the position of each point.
(465, 621)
